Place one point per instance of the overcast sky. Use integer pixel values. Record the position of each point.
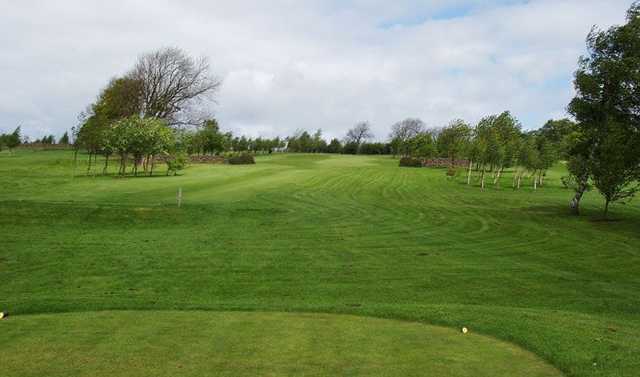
(289, 64)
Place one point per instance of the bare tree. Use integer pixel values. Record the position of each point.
(359, 133)
(173, 84)
(406, 129)
(403, 131)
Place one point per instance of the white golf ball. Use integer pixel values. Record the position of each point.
(465, 330)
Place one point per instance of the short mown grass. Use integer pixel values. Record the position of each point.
(326, 234)
(235, 344)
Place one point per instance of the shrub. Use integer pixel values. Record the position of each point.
(243, 159)
(176, 163)
(411, 162)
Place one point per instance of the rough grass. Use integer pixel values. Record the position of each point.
(333, 234)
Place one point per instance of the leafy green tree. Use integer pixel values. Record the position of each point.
(422, 145)
(606, 105)
(319, 144)
(64, 140)
(474, 150)
(13, 139)
(118, 100)
(614, 170)
(209, 138)
(300, 142)
(142, 138)
(529, 159)
(176, 163)
(490, 151)
(547, 157)
(335, 146)
(350, 147)
(579, 153)
(375, 148)
(453, 140)
(558, 133)
(401, 134)
(508, 133)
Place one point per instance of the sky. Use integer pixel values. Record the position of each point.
(296, 64)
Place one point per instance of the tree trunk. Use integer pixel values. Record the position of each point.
(106, 164)
(575, 202)
(496, 180)
(469, 173)
(606, 208)
(89, 164)
(482, 178)
(153, 160)
(519, 180)
(535, 181)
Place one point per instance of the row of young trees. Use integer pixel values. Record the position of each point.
(496, 143)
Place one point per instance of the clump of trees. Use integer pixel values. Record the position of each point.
(498, 143)
(303, 142)
(64, 139)
(136, 117)
(11, 140)
(138, 139)
(407, 137)
(604, 150)
(46, 140)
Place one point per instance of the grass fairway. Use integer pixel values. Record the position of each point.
(148, 343)
(323, 234)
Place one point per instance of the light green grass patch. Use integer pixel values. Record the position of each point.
(150, 343)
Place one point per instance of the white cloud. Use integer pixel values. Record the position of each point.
(305, 64)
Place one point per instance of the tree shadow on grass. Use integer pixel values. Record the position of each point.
(125, 177)
(621, 221)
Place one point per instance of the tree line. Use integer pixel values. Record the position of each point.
(14, 139)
